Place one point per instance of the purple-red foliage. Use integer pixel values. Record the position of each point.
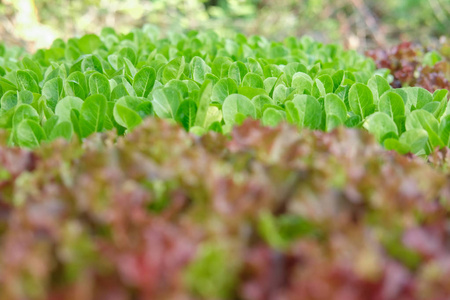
(405, 61)
(128, 219)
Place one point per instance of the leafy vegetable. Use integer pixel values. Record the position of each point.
(206, 82)
(219, 217)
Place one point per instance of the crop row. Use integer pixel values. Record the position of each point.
(204, 82)
(264, 214)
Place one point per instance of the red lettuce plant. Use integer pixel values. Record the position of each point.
(412, 65)
(267, 214)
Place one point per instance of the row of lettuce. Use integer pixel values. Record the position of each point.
(204, 82)
(264, 212)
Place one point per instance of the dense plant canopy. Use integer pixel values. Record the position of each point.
(267, 214)
(204, 82)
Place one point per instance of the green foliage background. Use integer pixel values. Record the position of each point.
(359, 24)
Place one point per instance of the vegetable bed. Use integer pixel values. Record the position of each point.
(199, 167)
(267, 214)
(205, 82)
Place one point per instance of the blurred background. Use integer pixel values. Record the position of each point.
(358, 24)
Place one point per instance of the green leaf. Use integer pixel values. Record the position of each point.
(91, 63)
(417, 140)
(254, 66)
(130, 69)
(342, 78)
(211, 77)
(24, 112)
(199, 69)
(302, 82)
(253, 80)
(335, 106)
(65, 106)
(322, 86)
(128, 87)
(378, 85)
(79, 78)
(219, 66)
(235, 104)
(7, 85)
(6, 119)
(143, 82)
(380, 125)
(282, 93)
(28, 63)
(71, 53)
(174, 69)
(53, 90)
(272, 117)
(271, 70)
(9, 100)
(392, 105)
(282, 231)
(92, 114)
(222, 89)
(181, 86)
(203, 103)
(421, 119)
(43, 109)
(213, 115)
(431, 58)
(116, 62)
(444, 130)
(260, 101)
(118, 92)
(292, 68)
(89, 43)
(361, 100)
(431, 107)
(99, 84)
(62, 130)
(216, 127)
(29, 134)
(309, 110)
(417, 97)
(165, 102)
(394, 144)
(270, 84)
(27, 97)
(237, 71)
(125, 112)
(145, 109)
(423, 97)
(128, 53)
(332, 121)
(186, 113)
(75, 119)
(250, 92)
(74, 89)
(26, 82)
(49, 124)
(441, 97)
